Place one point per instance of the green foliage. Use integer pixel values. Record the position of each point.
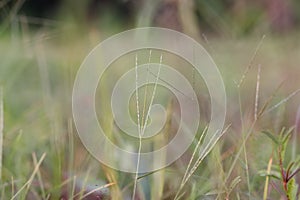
(292, 189)
(279, 172)
(273, 174)
(271, 136)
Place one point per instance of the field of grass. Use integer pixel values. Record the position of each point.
(43, 158)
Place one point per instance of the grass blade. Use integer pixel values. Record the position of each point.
(251, 62)
(94, 190)
(266, 189)
(28, 183)
(283, 101)
(213, 141)
(139, 128)
(257, 92)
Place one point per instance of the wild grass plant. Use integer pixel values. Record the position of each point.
(254, 157)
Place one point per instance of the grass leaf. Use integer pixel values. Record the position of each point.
(292, 189)
(271, 136)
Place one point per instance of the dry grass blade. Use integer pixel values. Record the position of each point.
(146, 90)
(139, 127)
(206, 151)
(266, 104)
(137, 169)
(153, 95)
(137, 95)
(40, 180)
(213, 141)
(193, 155)
(166, 82)
(247, 168)
(180, 196)
(73, 186)
(233, 184)
(257, 92)
(142, 131)
(71, 153)
(239, 151)
(94, 190)
(251, 62)
(266, 189)
(210, 47)
(283, 101)
(28, 183)
(12, 186)
(159, 178)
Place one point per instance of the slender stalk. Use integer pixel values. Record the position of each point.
(193, 156)
(142, 130)
(283, 101)
(139, 128)
(240, 151)
(247, 169)
(39, 176)
(137, 95)
(203, 155)
(153, 95)
(244, 143)
(266, 189)
(71, 155)
(94, 190)
(251, 62)
(146, 90)
(283, 174)
(28, 183)
(257, 92)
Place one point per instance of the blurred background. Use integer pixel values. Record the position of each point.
(43, 43)
(221, 18)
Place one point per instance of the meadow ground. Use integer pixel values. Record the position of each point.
(42, 157)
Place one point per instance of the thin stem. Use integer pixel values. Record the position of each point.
(283, 101)
(169, 84)
(194, 153)
(251, 61)
(153, 94)
(289, 169)
(139, 128)
(266, 189)
(146, 90)
(137, 95)
(28, 183)
(94, 190)
(240, 151)
(257, 92)
(283, 174)
(293, 174)
(206, 151)
(244, 143)
(247, 170)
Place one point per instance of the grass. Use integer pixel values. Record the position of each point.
(42, 155)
